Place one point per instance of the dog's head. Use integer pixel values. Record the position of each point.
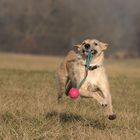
(96, 47)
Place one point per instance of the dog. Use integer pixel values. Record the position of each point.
(72, 70)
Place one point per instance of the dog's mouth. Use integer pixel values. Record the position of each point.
(85, 52)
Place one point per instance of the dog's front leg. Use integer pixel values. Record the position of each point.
(104, 87)
(95, 95)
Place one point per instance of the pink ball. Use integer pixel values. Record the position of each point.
(74, 93)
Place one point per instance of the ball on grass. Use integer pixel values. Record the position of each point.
(74, 93)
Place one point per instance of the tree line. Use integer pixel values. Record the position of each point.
(53, 26)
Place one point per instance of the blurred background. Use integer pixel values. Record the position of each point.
(52, 26)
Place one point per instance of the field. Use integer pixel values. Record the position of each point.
(29, 109)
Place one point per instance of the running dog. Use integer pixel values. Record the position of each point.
(72, 70)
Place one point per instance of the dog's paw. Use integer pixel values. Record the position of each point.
(104, 103)
(112, 117)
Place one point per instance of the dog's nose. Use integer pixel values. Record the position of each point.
(87, 46)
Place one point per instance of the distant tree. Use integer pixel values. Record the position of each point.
(59, 26)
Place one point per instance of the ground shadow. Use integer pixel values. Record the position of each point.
(70, 117)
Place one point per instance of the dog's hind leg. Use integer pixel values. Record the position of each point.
(61, 83)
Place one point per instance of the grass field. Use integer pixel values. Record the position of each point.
(29, 109)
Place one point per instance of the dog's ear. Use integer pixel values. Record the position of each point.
(77, 48)
(104, 46)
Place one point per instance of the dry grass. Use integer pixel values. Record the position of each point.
(29, 110)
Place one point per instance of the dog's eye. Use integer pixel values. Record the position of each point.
(95, 44)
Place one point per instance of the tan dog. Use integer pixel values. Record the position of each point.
(72, 71)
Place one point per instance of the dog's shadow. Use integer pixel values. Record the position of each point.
(70, 117)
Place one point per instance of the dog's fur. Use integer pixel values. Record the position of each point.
(72, 70)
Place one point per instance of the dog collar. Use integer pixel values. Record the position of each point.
(93, 67)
